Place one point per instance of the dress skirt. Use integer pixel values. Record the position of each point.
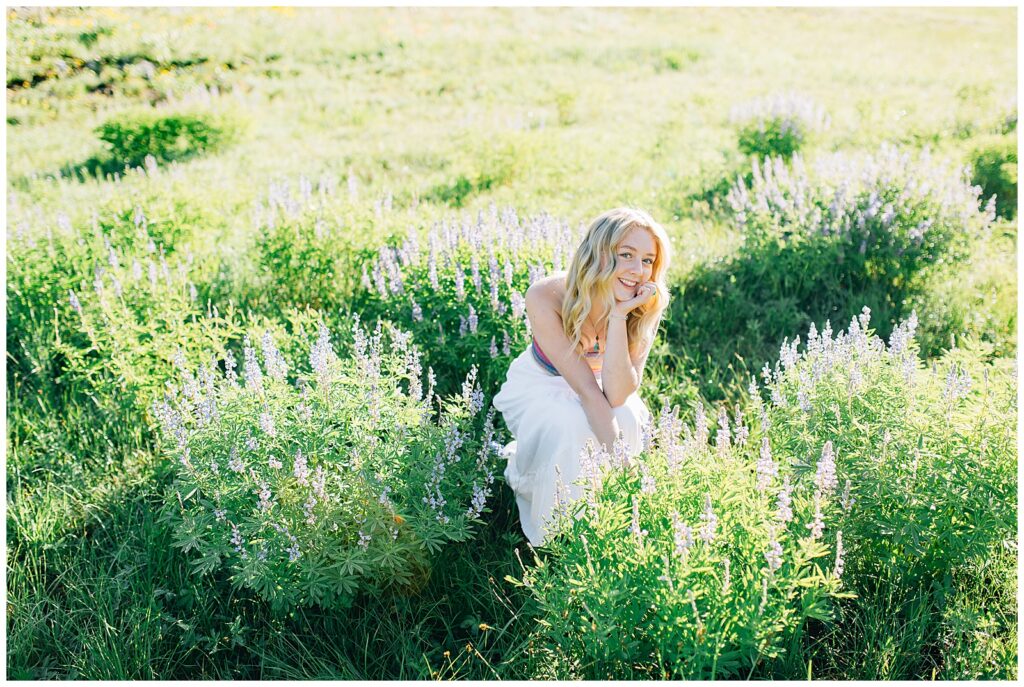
(550, 428)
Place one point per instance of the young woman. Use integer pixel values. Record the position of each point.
(593, 327)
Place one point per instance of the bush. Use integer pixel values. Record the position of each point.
(131, 137)
(875, 231)
(311, 497)
(780, 124)
(994, 161)
(689, 562)
(863, 467)
(465, 319)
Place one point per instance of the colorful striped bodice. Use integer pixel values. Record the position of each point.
(593, 358)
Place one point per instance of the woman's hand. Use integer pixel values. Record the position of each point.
(644, 294)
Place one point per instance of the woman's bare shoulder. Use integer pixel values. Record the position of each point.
(549, 289)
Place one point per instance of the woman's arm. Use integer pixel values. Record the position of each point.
(543, 307)
(620, 373)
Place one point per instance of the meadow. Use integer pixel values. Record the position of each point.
(265, 272)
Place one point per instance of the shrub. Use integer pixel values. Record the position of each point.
(874, 230)
(688, 562)
(131, 137)
(311, 496)
(463, 295)
(994, 161)
(862, 467)
(780, 124)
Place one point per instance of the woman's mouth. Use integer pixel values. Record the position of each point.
(627, 283)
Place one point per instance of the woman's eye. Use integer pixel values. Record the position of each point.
(649, 261)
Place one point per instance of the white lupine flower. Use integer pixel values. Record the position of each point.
(817, 526)
(774, 553)
(767, 469)
(825, 479)
(840, 563)
(682, 535)
(634, 527)
(709, 521)
(267, 424)
(251, 369)
(784, 510)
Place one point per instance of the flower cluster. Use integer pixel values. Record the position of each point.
(778, 124)
(324, 473)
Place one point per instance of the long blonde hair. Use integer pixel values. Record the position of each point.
(587, 283)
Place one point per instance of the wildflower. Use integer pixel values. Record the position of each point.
(417, 312)
(321, 355)
(647, 483)
(75, 305)
(726, 577)
(219, 514)
(766, 467)
(301, 469)
(251, 369)
(274, 463)
(845, 499)
(277, 368)
(506, 348)
(267, 424)
(235, 463)
(840, 563)
(634, 527)
(817, 526)
(266, 498)
(293, 551)
(700, 425)
(460, 283)
(825, 479)
(237, 540)
(723, 435)
(784, 510)
(251, 443)
(478, 502)
(709, 520)
(682, 535)
(774, 553)
(364, 540)
(229, 369)
(493, 350)
(472, 319)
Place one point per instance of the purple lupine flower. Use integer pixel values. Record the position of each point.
(308, 507)
(266, 498)
(75, 304)
(460, 283)
(506, 344)
(267, 424)
(321, 355)
(277, 368)
(235, 462)
(722, 437)
(493, 350)
(700, 433)
(293, 551)
(472, 320)
(301, 468)
(251, 369)
(417, 312)
(274, 463)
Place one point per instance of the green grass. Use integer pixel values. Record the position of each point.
(450, 110)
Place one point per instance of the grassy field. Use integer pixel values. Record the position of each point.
(407, 118)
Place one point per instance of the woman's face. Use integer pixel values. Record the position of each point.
(634, 263)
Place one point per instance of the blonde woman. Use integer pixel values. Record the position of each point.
(593, 327)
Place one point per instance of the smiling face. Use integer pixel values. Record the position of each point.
(634, 263)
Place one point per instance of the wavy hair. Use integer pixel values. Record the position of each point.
(589, 284)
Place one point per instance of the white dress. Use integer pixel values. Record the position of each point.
(550, 428)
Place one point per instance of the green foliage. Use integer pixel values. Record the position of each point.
(876, 231)
(132, 137)
(312, 497)
(780, 125)
(994, 163)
